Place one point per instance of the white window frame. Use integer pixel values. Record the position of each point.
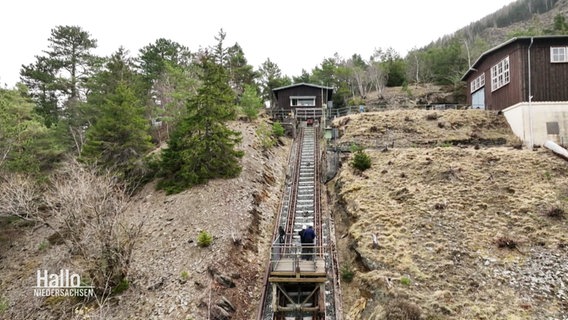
(558, 54)
(500, 74)
(477, 83)
(302, 101)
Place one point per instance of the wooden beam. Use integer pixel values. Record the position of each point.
(302, 273)
(297, 280)
(305, 309)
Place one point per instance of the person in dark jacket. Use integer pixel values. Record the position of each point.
(303, 241)
(309, 235)
(281, 234)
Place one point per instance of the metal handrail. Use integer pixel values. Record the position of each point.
(296, 252)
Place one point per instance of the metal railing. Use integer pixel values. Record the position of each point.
(293, 254)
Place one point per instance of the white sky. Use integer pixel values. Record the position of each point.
(294, 34)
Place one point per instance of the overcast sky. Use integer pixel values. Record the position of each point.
(295, 34)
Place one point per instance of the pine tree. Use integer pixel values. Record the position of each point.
(26, 144)
(120, 137)
(250, 103)
(70, 51)
(57, 82)
(270, 77)
(240, 72)
(202, 147)
(40, 78)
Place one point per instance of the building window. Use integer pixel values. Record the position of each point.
(500, 75)
(303, 101)
(477, 83)
(558, 54)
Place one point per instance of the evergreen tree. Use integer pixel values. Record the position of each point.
(220, 52)
(333, 72)
(40, 78)
(240, 72)
(26, 144)
(305, 77)
(250, 102)
(393, 66)
(202, 147)
(155, 57)
(120, 137)
(57, 82)
(169, 79)
(70, 52)
(326, 73)
(560, 25)
(170, 94)
(270, 78)
(118, 69)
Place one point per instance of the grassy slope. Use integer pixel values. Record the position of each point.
(439, 213)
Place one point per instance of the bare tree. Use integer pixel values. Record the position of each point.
(87, 213)
(19, 196)
(359, 75)
(377, 77)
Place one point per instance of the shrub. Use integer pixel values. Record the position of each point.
(347, 273)
(122, 286)
(361, 161)
(204, 239)
(405, 280)
(556, 213)
(356, 101)
(406, 89)
(265, 136)
(354, 148)
(432, 116)
(402, 310)
(506, 242)
(184, 275)
(547, 175)
(43, 245)
(86, 209)
(250, 103)
(3, 304)
(278, 129)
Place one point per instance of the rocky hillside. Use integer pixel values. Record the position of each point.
(468, 225)
(493, 29)
(170, 276)
(415, 96)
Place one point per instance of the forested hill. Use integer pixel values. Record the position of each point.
(519, 18)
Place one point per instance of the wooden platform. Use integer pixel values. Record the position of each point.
(287, 267)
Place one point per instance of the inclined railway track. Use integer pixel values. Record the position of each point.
(299, 285)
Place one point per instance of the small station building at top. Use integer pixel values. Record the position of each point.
(302, 102)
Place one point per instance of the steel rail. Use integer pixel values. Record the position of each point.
(289, 175)
(302, 160)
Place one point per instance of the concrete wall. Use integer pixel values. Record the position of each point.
(522, 117)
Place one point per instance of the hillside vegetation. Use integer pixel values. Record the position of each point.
(465, 229)
(469, 224)
(172, 273)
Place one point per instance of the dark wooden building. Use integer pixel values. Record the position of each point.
(301, 100)
(525, 78)
(520, 68)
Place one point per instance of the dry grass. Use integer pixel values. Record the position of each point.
(418, 128)
(440, 214)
